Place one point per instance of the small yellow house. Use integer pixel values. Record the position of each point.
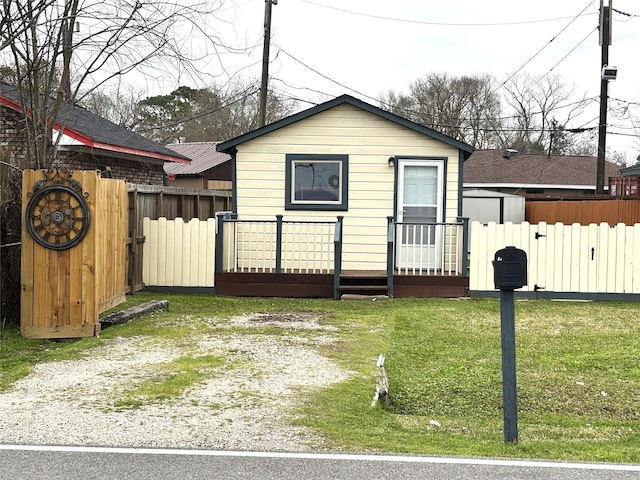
(344, 198)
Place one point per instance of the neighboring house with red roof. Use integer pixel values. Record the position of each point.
(209, 169)
(90, 142)
(508, 171)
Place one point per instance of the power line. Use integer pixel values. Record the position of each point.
(414, 112)
(444, 24)
(323, 75)
(569, 53)
(545, 46)
(630, 15)
(246, 94)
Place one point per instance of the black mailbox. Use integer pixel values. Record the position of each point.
(510, 268)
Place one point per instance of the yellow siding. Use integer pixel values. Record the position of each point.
(369, 141)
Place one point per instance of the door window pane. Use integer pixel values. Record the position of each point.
(420, 185)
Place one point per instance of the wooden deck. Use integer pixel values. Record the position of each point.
(304, 285)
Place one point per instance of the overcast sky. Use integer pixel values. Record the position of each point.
(324, 48)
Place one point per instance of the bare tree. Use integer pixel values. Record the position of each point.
(55, 52)
(60, 50)
(540, 111)
(465, 108)
(117, 105)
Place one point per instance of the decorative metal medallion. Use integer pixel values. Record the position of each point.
(57, 214)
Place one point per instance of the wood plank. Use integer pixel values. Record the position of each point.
(40, 286)
(477, 251)
(210, 254)
(593, 251)
(186, 255)
(619, 256)
(573, 251)
(525, 244)
(202, 253)
(429, 281)
(281, 278)
(274, 285)
(171, 249)
(192, 246)
(602, 256)
(146, 251)
(555, 262)
(112, 302)
(62, 277)
(178, 253)
(636, 259)
(539, 264)
(61, 331)
(27, 268)
(629, 260)
(89, 281)
(152, 241)
(161, 258)
(493, 245)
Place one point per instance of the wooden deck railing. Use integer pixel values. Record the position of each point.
(278, 246)
(427, 248)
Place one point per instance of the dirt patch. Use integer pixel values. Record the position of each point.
(248, 404)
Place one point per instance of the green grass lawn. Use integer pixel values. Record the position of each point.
(578, 374)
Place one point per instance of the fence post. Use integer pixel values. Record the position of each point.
(337, 257)
(278, 243)
(219, 242)
(390, 255)
(464, 269)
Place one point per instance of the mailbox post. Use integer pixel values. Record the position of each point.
(510, 272)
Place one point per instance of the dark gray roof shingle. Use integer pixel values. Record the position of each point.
(491, 168)
(83, 125)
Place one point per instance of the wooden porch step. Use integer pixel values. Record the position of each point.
(362, 288)
(363, 283)
(363, 279)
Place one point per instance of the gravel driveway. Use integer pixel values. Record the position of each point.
(238, 408)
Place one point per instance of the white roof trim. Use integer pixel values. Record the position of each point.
(64, 139)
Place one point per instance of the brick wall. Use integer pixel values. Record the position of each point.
(12, 136)
(132, 171)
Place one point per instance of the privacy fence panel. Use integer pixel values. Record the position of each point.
(73, 251)
(178, 253)
(154, 202)
(584, 212)
(564, 261)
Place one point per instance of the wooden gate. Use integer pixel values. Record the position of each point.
(564, 261)
(73, 251)
(154, 202)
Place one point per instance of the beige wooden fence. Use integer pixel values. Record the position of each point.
(178, 253)
(156, 201)
(564, 261)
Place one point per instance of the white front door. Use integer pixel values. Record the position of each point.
(420, 197)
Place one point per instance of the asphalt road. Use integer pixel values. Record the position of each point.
(78, 463)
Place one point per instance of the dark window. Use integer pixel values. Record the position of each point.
(316, 182)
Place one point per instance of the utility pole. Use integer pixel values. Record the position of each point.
(605, 41)
(265, 61)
